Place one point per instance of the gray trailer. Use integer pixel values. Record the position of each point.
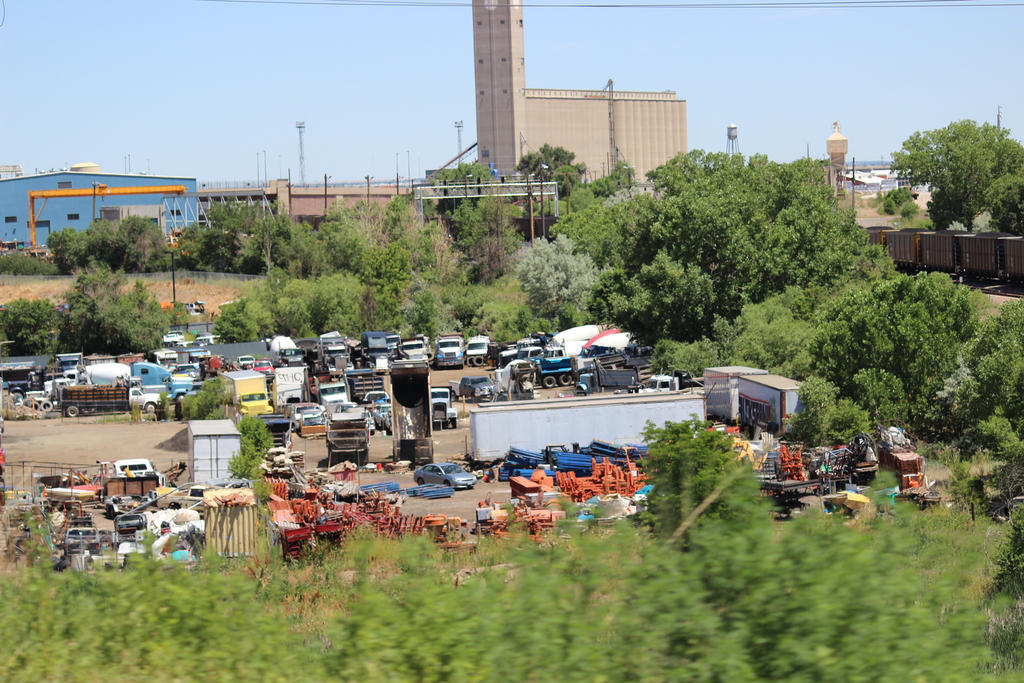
(411, 411)
(616, 418)
(721, 385)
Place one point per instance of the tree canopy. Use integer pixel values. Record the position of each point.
(961, 162)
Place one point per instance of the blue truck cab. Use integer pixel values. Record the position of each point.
(157, 376)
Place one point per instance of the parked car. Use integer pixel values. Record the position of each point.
(446, 473)
(246, 362)
(204, 338)
(190, 369)
(372, 397)
(263, 365)
(172, 338)
(473, 387)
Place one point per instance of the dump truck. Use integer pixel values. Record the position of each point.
(362, 382)
(411, 412)
(445, 414)
(248, 391)
(284, 352)
(477, 351)
(348, 437)
(280, 429)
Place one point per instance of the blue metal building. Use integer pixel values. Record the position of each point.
(170, 211)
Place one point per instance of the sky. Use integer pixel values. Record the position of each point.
(209, 89)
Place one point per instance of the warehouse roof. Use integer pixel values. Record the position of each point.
(212, 428)
(775, 382)
(734, 370)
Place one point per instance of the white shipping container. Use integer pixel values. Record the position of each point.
(211, 445)
(765, 401)
(617, 418)
(721, 387)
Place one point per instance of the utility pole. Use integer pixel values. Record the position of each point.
(408, 169)
(396, 174)
(999, 117)
(853, 183)
(543, 221)
(458, 128)
(301, 126)
(325, 195)
(367, 191)
(174, 284)
(94, 201)
(529, 194)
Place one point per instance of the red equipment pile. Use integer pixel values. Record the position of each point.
(606, 478)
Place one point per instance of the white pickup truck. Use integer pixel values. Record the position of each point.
(147, 401)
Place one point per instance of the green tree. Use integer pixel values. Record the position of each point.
(1006, 200)
(208, 403)
(241, 321)
(960, 162)
(553, 276)
(22, 264)
(256, 441)
(484, 233)
(423, 314)
(106, 315)
(826, 420)
(32, 325)
(911, 328)
(721, 232)
(553, 163)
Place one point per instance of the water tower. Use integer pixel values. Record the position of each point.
(732, 135)
(837, 146)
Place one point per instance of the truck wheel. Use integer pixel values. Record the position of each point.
(46, 406)
(549, 381)
(71, 411)
(564, 380)
(452, 423)
(150, 408)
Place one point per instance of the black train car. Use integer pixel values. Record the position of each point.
(981, 254)
(940, 251)
(1013, 257)
(905, 248)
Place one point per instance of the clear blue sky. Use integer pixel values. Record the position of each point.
(199, 88)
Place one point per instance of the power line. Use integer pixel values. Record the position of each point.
(748, 5)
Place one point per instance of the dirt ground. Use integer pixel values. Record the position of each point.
(213, 292)
(40, 447)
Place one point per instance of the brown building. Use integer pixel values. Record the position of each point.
(644, 129)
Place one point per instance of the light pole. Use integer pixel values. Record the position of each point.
(543, 221)
(368, 190)
(3, 399)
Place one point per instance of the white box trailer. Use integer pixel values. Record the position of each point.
(721, 386)
(211, 445)
(617, 418)
(289, 386)
(765, 401)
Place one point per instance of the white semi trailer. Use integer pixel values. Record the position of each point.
(617, 418)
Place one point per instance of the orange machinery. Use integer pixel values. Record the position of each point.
(95, 191)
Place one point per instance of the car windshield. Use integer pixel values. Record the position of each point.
(254, 397)
(451, 469)
(331, 391)
(449, 344)
(478, 346)
(413, 346)
(312, 419)
(377, 343)
(473, 381)
(439, 393)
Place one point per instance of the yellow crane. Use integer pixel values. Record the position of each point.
(98, 190)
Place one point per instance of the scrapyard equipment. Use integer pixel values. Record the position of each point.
(284, 352)
(280, 428)
(607, 478)
(415, 348)
(764, 402)
(555, 371)
(411, 412)
(444, 414)
(289, 386)
(348, 437)
(618, 418)
(896, 453)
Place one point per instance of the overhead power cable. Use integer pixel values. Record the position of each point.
(749, 5)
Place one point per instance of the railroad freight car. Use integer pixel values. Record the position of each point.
(981, 254)
(939, 251)
(1013, 257)
(905, 248)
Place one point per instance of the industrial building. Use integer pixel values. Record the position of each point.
(73, 198)
(602, 127)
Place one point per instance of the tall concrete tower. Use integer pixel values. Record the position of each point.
(500, 81)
